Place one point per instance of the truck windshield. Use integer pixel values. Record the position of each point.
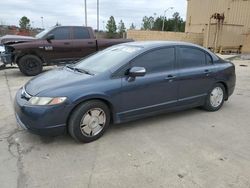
(106, 59)
(43, 33)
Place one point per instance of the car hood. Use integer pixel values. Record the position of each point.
(7, 39)
(54, 79)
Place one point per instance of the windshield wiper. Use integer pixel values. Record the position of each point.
(80, 70)
(70, 67)
(84, 71)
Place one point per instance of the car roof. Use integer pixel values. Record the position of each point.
(153, 44)
(147, 45)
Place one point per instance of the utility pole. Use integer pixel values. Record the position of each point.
(103, 25)
(163, 22)
(97, 15)
(42, 22)
(85, 7)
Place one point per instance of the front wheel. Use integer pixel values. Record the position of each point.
(89, 121)
(30, 65)
(215, 98)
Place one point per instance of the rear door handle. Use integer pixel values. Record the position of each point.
(90, 42)
(66, 43)
(170, 77)
(207, 72)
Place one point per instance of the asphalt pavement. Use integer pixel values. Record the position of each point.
(192, 148)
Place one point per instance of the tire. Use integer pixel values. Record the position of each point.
(85, 119)
(212, 103)
(30, 65)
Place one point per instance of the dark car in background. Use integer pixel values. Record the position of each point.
(52, 46)
(123, 83)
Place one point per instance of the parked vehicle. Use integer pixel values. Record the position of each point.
(123, 83)
(52, 46)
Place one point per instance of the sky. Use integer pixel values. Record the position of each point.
(71, 12)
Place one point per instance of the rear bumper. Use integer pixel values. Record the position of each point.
(230, 91)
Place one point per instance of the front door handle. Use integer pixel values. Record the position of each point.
(66, 43)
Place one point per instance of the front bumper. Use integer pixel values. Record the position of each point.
(41, 120)
(6, 58)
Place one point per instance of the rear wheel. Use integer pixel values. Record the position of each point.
(215, 98)
(30, 65)
(89, 121)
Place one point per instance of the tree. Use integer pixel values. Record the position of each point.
(132, 26)
(175, 23)
(24, 23)
(158, 23)
(111, 27)
(121, 28)
(147, 23)
(177, 19)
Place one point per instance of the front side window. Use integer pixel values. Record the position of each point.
(81, 33)
(158, 60)
(62, 33)
(191, 57)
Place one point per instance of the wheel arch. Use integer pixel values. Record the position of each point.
(24, 53)
(226, 88)
(102, 99)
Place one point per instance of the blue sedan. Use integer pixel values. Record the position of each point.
(123, 83)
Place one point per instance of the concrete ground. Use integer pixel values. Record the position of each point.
(192, 148)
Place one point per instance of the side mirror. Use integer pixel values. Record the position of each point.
(50, 37)
(137, 71)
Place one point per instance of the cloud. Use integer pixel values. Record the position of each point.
(71, 12)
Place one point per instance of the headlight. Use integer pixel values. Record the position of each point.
(46, 100)
(2, 49)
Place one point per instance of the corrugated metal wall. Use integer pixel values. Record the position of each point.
(236, 23)
(246, 45)
(230, 36)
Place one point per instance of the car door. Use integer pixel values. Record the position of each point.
(196, 74)
(83, 43)
(155, 91)
(59, 48)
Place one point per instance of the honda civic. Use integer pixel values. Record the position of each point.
(123, 83)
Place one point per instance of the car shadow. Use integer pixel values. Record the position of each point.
(66, 139)
(163, 117)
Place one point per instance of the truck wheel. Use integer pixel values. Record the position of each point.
(30, 65)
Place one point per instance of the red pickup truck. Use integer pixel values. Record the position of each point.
(52, 46)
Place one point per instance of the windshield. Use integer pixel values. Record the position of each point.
(107, 59)
(43, 33)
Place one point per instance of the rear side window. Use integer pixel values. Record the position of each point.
(62, 33)
(81, 33)
(191, 57)
(156, 61)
